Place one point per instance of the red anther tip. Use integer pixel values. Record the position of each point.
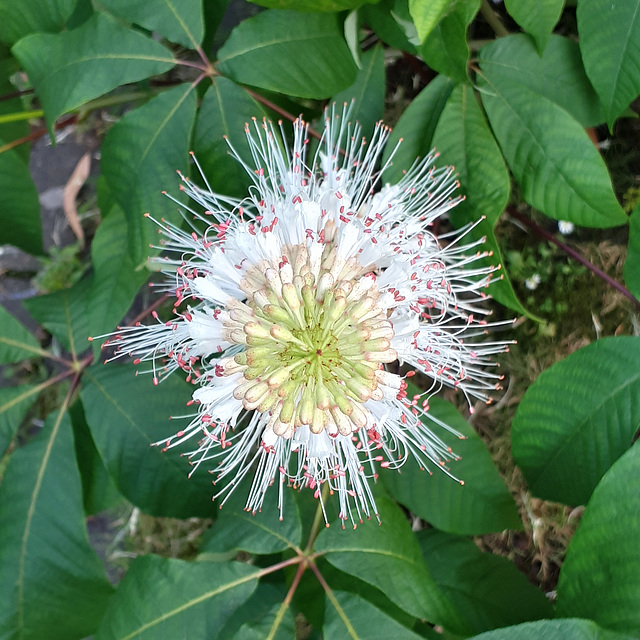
(146, 215)
(191, 153)
(90, 338)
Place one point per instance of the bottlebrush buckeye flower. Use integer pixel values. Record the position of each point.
(297, 305)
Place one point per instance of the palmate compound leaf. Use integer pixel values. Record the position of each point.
(299, 54)
(349, 616)
(180, 21)
(73, 67)
(46, 561)
(140, 156)
(578, 418)
(610, 46)
(487, 590)
(126, 414)
(387, 556)
(569, 629)
(552, 158)
(482, 505)
(415, 129)
(464, 140)
(224, 111)
(600, 577)
(170, 598)
(16, 341)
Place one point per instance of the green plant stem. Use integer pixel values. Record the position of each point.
(574, 254)
(492, 19)
(334, 601)
(287, 601)
(317, 520)
(21, 115)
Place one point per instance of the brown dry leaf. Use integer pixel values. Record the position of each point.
(71, 189)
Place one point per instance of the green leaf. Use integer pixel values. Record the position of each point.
(126, 414)
(387, 556)
(600, 577)
(427, 13)
(140, 156)
(446, 49)
(388, 20)
(553, 630)
(225, 110)
(487, 590)
(73, 67)
(610, 45)
(14, 404)
(98, 489)
(578, 418)
(632, 263)
(179, 21)
(557, 75)
(558, 167)
(45, 558)
(115, 280)
(263, 532)
(463, 139)
(300, 54)
(169, 598)
(313, 5)
(415, 128)
(20, 211)
(16, 341)
(64, 315)
(482, 505)
(349, 616)
(367, 92)
(537, 17)
(18, 19)
(255, 619)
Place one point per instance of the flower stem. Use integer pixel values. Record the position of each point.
(287, 601)
(492, 19)
(573, 254)
(317, 520)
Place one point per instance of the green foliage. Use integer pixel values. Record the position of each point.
(600, 579)
(481, 505)
(510, 114)
(45, 547)
(300, 54)
(586, 407)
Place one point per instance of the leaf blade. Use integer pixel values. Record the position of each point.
(299, 54)
(482, 505)
(65, 75)
(600, 577)
(577, 418)
(534, 135)
(610, 45)
(45, 547)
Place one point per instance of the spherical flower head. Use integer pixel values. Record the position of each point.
(297, 306)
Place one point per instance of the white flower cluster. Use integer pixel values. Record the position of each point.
(297, 306)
